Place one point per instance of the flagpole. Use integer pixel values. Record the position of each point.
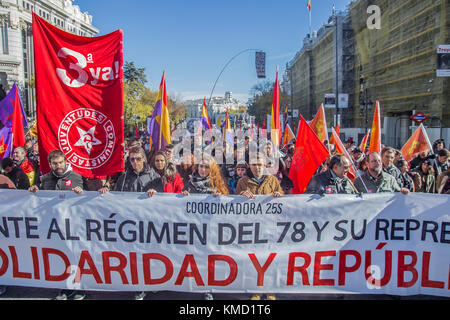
(426, 137)
(347, 155)
(12, 143)
(310, 28)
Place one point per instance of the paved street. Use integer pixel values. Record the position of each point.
(28, 293)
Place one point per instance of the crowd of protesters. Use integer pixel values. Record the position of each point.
(158, 172)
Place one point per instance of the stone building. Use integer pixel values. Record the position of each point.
(394, 63)
(313, 71)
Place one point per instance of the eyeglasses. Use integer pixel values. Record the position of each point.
(135, 159)
(203, 166)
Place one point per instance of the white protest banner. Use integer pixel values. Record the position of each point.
(376, 244)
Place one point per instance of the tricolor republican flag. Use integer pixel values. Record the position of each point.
(159, 128)
(275, 125)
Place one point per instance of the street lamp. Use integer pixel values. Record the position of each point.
(223, 69)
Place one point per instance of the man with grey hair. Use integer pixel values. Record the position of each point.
(334, 180)
(375, 179)
(387, 157)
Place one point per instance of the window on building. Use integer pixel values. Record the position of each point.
(4, 32)
(25, 53)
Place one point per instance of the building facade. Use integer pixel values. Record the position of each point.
(394, 63)
(16, 50)
(326, 61)
(217, 106)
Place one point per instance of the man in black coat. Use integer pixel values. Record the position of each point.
(334, 180)
(15, 174)
(62, 178)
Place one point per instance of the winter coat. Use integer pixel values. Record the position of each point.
(173, 185)
(383, 183)
(427, 182)
(19, 178)
(65, 182)
(232, 183)
(269, 185)
(131, 181)
(325, 183)
(396, 173)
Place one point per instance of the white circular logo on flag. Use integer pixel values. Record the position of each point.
(87, 138)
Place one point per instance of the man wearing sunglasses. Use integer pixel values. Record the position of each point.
(139, 177)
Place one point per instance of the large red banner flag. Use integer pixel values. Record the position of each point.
(79, 94)
(309, 154)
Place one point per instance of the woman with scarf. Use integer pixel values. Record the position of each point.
(206, 179)
(171, 181)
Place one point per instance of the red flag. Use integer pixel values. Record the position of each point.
(364, 141)
(17, 123)
(337, 132)
(309, 154)
(288, 135)
(417, 143)
(375, 135)
(341, 149)
(79, 89)
(319, 124)
(136, 131)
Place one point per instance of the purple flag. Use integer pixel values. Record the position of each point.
(5, 142)
(154, 128)
(7, 108)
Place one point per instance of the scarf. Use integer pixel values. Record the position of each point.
(202, 185)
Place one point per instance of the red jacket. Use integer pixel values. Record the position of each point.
(175, 185)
